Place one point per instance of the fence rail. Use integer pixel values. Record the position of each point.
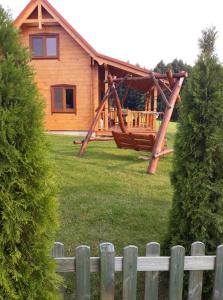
(130, 263)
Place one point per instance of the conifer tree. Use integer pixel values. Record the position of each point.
(197, 177)
(28, 209)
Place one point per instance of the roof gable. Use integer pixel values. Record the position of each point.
(42, 12)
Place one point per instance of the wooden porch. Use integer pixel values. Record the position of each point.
(135, 121)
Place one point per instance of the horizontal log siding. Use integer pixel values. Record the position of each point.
(73, 68)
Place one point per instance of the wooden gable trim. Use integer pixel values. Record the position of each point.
(100, 58)
(25, 13)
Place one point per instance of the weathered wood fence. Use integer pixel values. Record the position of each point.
(152, 263)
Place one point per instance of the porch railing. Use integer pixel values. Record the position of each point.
(132, 119)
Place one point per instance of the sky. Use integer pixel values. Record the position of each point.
(140, 31)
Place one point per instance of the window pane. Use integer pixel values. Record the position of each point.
(58, 98)
(69, 98)
(37, 46)
(51, 46)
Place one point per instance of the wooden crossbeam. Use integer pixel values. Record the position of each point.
(164, 152)
(34, 21)
(158, 76)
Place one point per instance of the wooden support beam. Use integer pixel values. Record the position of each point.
(107, 102)
(118, 104)
(169, 75)
(158, 76)
(148, 100)
(163, 127)
(40, 14)
(36, 21)
(94, 123)
(125, 96)
(170, 78)
(96, 139)
(164, 152)
(160, 90)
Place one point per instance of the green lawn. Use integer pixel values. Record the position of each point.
(107, 195)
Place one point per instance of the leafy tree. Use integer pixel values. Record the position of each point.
(197, 177)
(28, 217)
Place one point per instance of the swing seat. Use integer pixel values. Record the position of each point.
(135, 141)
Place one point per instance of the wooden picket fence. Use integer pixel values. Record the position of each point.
(152, 263)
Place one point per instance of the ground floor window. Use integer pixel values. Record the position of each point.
(63, 99)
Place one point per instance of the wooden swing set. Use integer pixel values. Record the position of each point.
(168, 86)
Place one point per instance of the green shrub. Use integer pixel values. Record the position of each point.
(28, 207)
(197, 178)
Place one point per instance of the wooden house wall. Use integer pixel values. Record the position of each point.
(73, 67)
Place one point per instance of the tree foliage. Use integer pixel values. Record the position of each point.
(28, 206)
(197, 177)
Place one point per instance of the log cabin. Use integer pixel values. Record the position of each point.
(70, 73)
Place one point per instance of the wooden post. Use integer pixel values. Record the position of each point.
(40, 14)
(218, 278)
(196, 277)
(130, 272)
(94, 123)
(83, 273)
(107, 102)
(58, 251)
(155, 100)
(107, 270)
(163, 128)
(176, 273)
(152, 278)
(118, 104)
(155, 92)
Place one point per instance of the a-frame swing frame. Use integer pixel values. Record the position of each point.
(170, 82)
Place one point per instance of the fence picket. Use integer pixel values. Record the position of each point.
(218, 281)
(130, 272)
(176, 273)
(107, 270)
(196, 277)
(152, 278)
(107, 264)
(58, 251)
(83, 272)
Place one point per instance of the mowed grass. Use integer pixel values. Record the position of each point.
(106, 196)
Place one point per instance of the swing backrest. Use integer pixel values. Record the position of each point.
(135, 141)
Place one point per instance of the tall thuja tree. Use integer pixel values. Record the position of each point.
(28, 209)
(197, 178)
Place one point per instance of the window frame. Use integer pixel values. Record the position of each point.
(64, 110)
(44, 36)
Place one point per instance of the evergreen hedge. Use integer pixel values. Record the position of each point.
(28, 207)
(197, 177)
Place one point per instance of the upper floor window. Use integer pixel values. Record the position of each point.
(63, 98)
(44, 46)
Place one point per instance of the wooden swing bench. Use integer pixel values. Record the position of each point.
(151, 142)
(135, 141)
